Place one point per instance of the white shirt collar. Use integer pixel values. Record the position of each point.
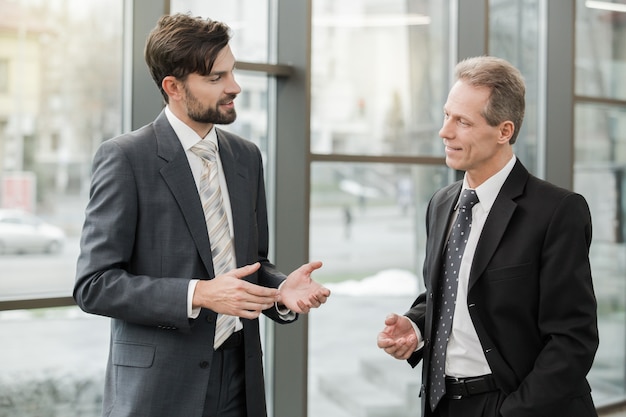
(489, 190)
(186, 135)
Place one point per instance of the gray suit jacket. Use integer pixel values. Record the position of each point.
(143, 240)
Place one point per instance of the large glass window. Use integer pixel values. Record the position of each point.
(367, 225)
(600, 49)
(63, 99)
(379, 80)
(248, 19)
(600, 175)
(60, 97)
(52, 362)
(515, 35)
(379, 76)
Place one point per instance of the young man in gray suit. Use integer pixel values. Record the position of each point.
(149, 258)
(524, 328)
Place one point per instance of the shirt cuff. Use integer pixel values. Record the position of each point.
(192, 313)
(284, 312)
(420, 339)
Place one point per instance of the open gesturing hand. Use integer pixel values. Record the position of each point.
(398, 338)
(300, 293)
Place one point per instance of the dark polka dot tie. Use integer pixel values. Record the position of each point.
(448, 283)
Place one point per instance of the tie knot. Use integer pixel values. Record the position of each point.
(205, 149)
(469, 198)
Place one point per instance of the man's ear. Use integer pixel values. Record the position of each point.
(172, 87)
(507, 128)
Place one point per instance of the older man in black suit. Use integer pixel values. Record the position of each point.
(524, 328)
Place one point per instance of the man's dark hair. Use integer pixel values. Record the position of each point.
(180, 45)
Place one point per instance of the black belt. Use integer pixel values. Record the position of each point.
(457, 388)
(233, 341)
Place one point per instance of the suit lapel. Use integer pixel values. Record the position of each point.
(178, 177)
(498, 220)
(440, 223)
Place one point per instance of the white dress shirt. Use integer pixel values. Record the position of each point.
(464, 356)
(188, 138)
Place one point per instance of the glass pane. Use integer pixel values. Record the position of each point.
(600, 175)
(379, 76)
(248, 19)
(66, 378)
(601, 49)
(366, 225)
(514, 36)
(62, 98)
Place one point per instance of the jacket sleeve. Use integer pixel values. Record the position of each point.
(104, 284)
(417, 314)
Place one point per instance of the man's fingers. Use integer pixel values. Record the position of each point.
(249, 314)
(260, 294)
(391, 319)
(263, 294)
(312, 266)
(256, 302)
(397, 349)
(246, 270)
(383, 341)
(303, 307)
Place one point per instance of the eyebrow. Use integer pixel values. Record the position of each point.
(457, 115)
(221, 72)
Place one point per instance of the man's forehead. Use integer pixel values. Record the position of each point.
(465, 98)
(225, 61)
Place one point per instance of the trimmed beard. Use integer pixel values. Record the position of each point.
(197, 113)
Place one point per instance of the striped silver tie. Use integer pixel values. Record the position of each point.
(217, 226)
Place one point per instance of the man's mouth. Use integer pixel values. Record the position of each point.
(228, 101)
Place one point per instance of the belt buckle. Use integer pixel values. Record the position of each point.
(463, 389)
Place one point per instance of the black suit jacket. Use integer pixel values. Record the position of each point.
(530, 295)
(144, 239)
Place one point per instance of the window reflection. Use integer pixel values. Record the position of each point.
(248, 19)
(63, 379)
(600, 175)
(60, 96)
(379, 71)
(378, 83)
(514, 36)
(366, 223)
(601, 50)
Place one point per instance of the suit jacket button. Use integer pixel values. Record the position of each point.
(204, 364)
(209, 319)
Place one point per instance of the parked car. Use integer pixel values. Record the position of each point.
(22, 232)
